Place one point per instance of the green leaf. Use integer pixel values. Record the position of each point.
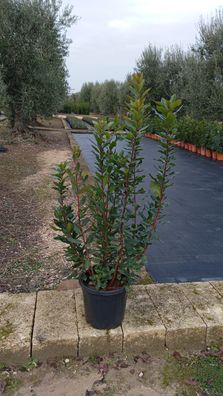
(155, 188)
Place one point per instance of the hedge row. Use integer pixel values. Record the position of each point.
(207, 134)
(76, 107)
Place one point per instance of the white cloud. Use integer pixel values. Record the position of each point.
(111, 35)
(120, 23)
(168, 8)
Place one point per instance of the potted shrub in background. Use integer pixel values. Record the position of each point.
(203, 132)
(213, 141)
(193, 148)
(185, 132)
(214, 155)
(209, 138)
(106, 230)
(216, 142)
(220, 156)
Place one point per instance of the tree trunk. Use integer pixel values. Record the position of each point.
(18, 124)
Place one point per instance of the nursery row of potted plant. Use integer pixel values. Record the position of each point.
(191, 147)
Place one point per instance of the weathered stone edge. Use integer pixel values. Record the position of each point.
(123, 333)
(136, 331)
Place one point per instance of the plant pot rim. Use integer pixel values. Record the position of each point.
(113, 292)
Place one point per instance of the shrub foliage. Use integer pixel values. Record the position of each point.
(108, 234)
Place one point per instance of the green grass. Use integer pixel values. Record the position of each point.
(145, 279)
(12, 384)
(5, 331)
(110, 392)
(197, 375)
(30, 364)
(26, 266)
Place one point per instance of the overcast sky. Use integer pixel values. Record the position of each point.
(111, 34)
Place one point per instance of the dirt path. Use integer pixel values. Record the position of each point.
(111, 376)
(30, 258)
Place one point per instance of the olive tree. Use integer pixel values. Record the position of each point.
(86, 92)
(33, 47)
(209, 49)
(109, 100)
(3, 95)
(150, 65)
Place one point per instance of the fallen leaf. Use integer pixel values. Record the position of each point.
(177, 355)
(192, 382)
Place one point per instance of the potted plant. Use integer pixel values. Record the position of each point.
(220, 156)
(197, 135)
(219, 144)
(217, 141)
(107, 231)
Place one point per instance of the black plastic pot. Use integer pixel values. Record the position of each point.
(104, 309)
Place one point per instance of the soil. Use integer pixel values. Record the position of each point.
(30, 259)
(111, 376)
(50, 122)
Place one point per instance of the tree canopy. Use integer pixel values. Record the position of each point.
(195, 75)
(33, 47)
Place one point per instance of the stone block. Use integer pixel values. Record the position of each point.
(142, 327)
(55, 332)
(218, 285)
(185, 330)
(16, 322)
(209, 305)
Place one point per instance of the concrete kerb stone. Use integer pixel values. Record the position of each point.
(218, 286)
(209, 305)
(92, 341)
(184, 317)
(185, 330)
(16, 325)
(142, 327)
(55, 331)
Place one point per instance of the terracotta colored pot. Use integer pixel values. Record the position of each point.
(182, 144)
(220, 156)
(202, 150)
(208, 153)
(189, 146)
(157, 137)
(186, 146)
(178, 144)
(214, 155)
(193, 148)
(199, 150)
